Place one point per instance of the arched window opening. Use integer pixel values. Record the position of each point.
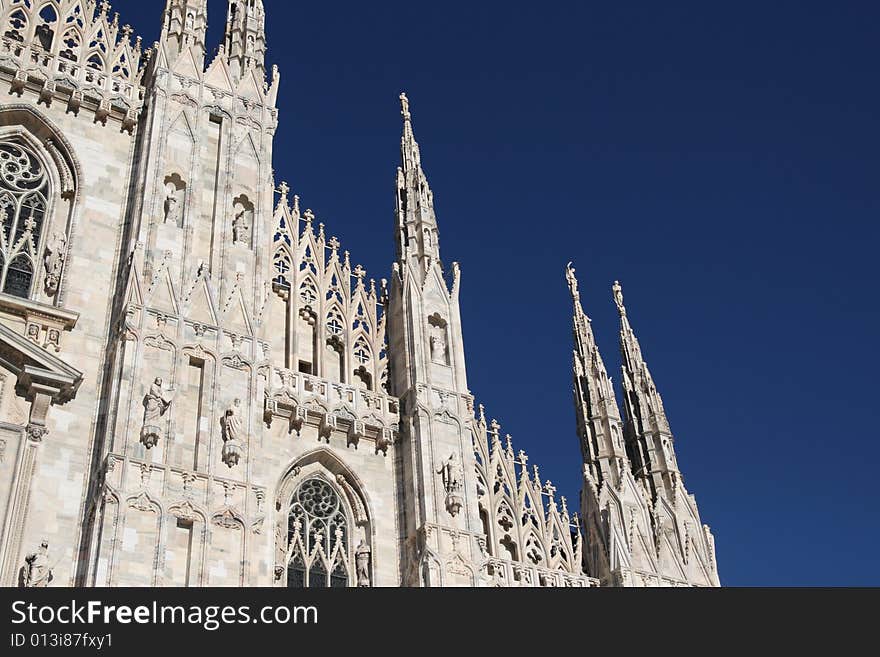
(45, 31)
(24, 189)
(318, 536)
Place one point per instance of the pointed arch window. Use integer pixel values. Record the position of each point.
(318, 536)
(24, 189)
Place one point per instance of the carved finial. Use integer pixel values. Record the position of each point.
(295, 204)
(359, 272)
(618, 298)
(549, 488)
(346, 260)
(537, 475)
(333, 243)
(404, 107)
(509, 445)
(482, 415)
(309, 216)
(321, 231)
(283, 189)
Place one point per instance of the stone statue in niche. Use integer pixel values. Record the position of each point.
(233, 432)
(242, 222)
(451, 474)
(362, 563)
(36, 572)
(156, 402)
(172, 205)
(438, 344)
(56, 252)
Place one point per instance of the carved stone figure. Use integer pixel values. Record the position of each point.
(362, 562)
(438, 344)
(241, 227)
(618, 297)
(156, 402)
(56, 252)
(280, 549)
(572, 281)
(233, 432)
(36, 573)
(451, 474)
(172, 205)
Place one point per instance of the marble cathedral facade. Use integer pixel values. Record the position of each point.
(197, 387)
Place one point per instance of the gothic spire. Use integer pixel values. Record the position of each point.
(649, 439)
(598, 418)
(185, 23)
(416, 222)
(245, 40)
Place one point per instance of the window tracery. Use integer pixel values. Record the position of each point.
(24, 190)
(318, 536)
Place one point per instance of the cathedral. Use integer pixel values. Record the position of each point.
(197, 388)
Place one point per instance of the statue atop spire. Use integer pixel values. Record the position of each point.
(618, 298)
(572, 282)
(404, 107)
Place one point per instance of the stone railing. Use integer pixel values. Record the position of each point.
(303, 399)
(503, 572)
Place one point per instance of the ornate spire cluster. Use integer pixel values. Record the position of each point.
(245, 39)
(414, 208)
(642, 526)
(185, 24)
(74, 44)
(340, 302)
(528, 529)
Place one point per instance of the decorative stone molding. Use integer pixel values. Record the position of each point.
(357, 506)
(384, 440)
(327, 426)
(228, 518)
(36, 432)
(356, 431)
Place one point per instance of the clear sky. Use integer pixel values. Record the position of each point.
(720, 159)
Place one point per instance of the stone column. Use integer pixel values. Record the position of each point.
(13, 531)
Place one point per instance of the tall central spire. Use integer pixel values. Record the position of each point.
(417, 236)
(648, 436)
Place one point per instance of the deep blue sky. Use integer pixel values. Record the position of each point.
(720, 159)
